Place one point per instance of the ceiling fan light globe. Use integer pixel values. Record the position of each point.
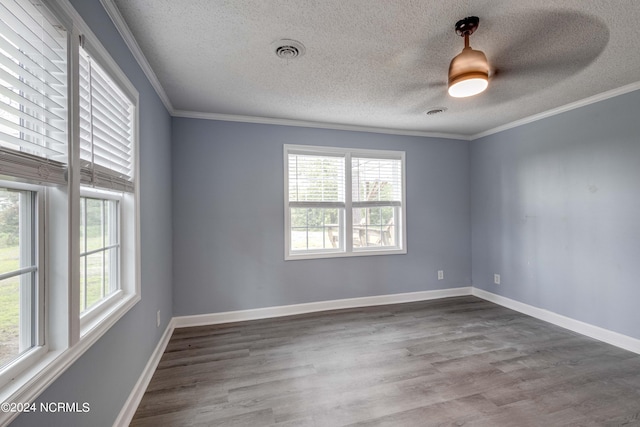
(468, 73)
(468, 87)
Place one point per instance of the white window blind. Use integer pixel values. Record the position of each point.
(33, 94)
(376, 182)
(316, 180)
(106, 129)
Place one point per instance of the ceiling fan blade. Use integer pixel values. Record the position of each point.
(569, 43)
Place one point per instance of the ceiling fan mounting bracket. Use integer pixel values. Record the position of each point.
(467, 26)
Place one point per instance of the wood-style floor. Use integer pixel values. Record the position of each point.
(457, 361)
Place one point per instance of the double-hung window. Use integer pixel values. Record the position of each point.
(107, 127)
(343, 202)
(33, 158)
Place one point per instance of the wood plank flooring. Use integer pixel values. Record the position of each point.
(456, 361)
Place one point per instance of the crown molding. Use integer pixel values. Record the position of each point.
(559, 110)
(310, 124)
(126, 34)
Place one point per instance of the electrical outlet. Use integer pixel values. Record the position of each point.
(440, 274)
(496, 279)
(158, 319)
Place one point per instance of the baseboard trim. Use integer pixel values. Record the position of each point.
(312, 307)
(135, 397)
(587, 329)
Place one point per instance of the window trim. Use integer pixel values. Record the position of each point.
(348, 249)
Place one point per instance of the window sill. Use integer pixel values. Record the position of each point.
(100, 312)
(358, 253)
(26, 386)
(99, 319)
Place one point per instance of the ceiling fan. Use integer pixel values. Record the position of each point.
(469, 70)
(522, 56)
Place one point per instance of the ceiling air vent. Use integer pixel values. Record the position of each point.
(288, 49)
(437, 110)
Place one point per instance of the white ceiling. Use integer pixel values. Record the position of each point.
(381, 63)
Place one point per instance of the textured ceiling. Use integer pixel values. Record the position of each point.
(383, 64)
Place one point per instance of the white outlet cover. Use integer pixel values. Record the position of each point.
(440, 274)
(496, 279)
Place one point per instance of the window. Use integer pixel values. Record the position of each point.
(107, 123)
(316, 202)
(377, 201)
(341, 202)
(69, 224)
(33, 149)
(107, 255)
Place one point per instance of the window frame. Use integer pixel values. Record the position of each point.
(346, 247)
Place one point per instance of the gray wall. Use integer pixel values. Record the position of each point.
(105, 375)
(228, 219)
(556, 211)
